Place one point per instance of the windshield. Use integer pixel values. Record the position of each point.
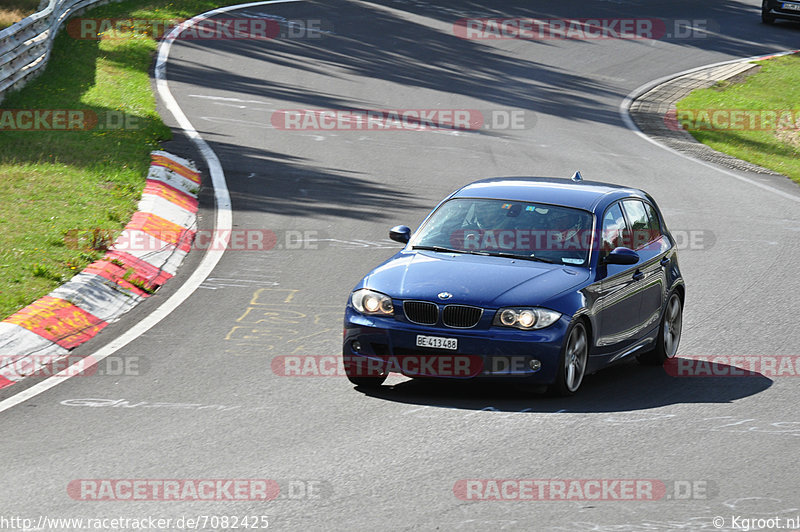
(535, 231)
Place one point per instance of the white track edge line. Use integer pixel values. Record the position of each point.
(624, 111)
(224, 222)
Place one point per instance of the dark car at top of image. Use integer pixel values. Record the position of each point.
(775, 9)
(534, 280)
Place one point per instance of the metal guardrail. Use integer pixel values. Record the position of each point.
(25, 46)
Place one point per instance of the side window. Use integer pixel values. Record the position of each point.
(640, 223)
(655, 225)
(615, 231)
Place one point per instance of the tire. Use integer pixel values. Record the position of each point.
(358, 374)
(572, 363)
(669, 334)
(367, 383)
(766, 18)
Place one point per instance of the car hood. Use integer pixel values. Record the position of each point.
(472, 279)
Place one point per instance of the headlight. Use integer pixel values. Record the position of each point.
(370, 302)
(525, 318)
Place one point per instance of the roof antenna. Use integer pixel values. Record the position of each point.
(577, 177)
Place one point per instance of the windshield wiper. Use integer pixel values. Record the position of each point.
(441, 249)
(523, 257)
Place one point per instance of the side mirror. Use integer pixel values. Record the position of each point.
(624, 256)
(400, 233)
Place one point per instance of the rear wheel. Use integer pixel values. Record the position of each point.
(573, 361)
(766, 18)
(669, 334)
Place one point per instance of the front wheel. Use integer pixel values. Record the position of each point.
(669, 334)
(572, 366)
(766, 18)
(368, 383)
(360, 371)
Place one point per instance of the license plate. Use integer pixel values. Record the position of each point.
(437, 342)
(792, 7)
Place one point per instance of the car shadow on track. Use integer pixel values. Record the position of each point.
(623, 387)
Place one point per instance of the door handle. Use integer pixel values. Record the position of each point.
(638, 276)
(664, 262)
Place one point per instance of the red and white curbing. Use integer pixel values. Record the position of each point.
(48, 328)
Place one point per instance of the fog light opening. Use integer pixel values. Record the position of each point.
(535, 364)
(356, 345)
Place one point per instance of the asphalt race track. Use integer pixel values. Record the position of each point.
(393, 459)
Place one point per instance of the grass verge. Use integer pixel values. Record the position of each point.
(56, 185)
(754, 137)
(15, 10)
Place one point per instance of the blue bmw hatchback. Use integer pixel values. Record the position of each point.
(542, 280)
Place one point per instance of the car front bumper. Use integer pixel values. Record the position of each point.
(384, 344)
(777, 10)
